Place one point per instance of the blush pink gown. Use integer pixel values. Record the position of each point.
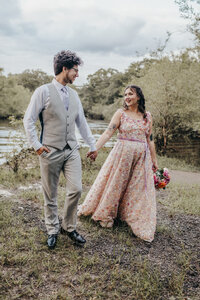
(124, 187)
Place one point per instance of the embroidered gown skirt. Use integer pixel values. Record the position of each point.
(124, 187)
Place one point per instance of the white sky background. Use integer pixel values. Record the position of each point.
(104, 33)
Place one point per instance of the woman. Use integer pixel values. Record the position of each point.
(124, 187)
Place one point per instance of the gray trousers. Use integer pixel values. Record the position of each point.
(51, 165)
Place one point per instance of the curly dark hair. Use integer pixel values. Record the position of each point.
(65, 58)
(141, 101)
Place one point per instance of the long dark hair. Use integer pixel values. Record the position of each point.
(141, 101)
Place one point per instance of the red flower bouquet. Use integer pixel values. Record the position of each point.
(161, 178)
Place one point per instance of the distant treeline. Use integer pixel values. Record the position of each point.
(171, 87)
(16, 90)
(170, 84)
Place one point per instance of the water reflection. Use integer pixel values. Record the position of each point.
(97, 129)
(12, 140)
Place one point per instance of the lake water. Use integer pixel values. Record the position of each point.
(12, 140)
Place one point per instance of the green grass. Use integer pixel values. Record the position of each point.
(181, 198)
(31, 271)
(113, 265)
(176, 164)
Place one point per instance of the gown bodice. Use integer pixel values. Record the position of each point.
(134, 129)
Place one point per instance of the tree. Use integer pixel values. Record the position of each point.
(103, 88)
(189, 12)
(13, 98)
(32, 79)
(99, 83)
(171, 87)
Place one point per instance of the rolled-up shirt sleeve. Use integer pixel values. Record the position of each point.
(35, 106)
(84, 128)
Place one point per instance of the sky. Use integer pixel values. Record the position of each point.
(104, 33)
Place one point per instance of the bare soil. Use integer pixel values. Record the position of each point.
(180, 236)
(176, 234)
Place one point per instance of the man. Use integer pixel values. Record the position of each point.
(59, 108)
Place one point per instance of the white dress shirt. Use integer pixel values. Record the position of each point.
(40, 101)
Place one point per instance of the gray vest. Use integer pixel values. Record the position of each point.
(58, 124)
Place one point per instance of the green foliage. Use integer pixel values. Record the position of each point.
(16, 90)
(171, 88)
(170, 85)
(138, 69)
(103, 88)
(31, 79)
(190, 10)
(13, 97)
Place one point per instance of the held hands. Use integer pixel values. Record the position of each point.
(92, 155)
(42, 149)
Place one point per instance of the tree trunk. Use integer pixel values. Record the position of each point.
(164, 137)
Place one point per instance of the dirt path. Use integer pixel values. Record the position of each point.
(184, 177)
